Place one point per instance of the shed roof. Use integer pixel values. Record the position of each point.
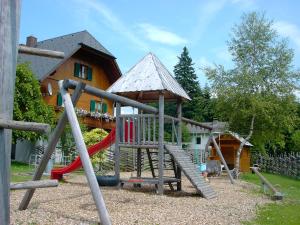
(69, 44)
(217, 126)
(239, 138)
(146, 79)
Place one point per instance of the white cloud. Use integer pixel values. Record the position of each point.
(245, 4)
(109, 19)
(161, 35)
(207, 12)
(288, 30)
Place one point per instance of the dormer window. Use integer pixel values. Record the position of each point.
(82, 71)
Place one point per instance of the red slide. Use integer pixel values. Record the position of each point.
(76, 164)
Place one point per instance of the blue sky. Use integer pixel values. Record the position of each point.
(132, 28)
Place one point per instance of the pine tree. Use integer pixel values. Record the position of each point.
(187, 78)
(185, 74)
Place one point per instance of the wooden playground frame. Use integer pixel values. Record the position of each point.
(9, 29)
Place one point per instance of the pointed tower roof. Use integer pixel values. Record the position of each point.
(145, 80)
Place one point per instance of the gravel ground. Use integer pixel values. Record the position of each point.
(72, 203)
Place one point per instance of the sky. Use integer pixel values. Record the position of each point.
(130, 29)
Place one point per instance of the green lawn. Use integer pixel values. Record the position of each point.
(20, 172)
(281, 212)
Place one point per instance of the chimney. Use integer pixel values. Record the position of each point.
(31, 41)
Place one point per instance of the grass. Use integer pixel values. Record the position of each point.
(20, 172)
(285, 212)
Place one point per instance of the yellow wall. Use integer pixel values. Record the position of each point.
(66, 71)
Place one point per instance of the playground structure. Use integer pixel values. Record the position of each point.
(9, 26)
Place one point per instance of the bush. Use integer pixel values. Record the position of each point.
(93, 137)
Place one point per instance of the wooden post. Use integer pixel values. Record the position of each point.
(117, 147)
(54, 137)
(139, 163)
(9, 34)
(84, 156)
(222, 159)
(179, 140)
(161, 145)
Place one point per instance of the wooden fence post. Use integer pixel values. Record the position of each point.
(9, 35)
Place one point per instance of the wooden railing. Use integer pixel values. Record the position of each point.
(142, 129)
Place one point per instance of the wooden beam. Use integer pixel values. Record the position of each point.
(84, 156)
(34, 184)
(196, 123)
(222, 159)
(276, 194)
(9, 35)
(26, 126)
(179, 140)
(161, 145)
(117, 142)
(113, 97)
(53, 140)
(41, 52)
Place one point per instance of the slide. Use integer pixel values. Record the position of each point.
(76, 164)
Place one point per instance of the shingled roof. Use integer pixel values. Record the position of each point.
(69, 44)
(146, 79)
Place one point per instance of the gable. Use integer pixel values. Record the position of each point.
(69, 44)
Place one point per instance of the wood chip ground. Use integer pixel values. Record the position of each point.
(72, 203)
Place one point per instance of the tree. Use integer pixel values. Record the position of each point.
(187, 78)
(29, 105)
(256, 95)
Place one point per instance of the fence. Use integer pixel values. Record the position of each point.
(284, 164)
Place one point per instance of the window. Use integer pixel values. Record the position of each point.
(59, 100)
(198, 140)
(82, 71)
(97, 106)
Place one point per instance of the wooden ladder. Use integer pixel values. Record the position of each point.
(191, 171)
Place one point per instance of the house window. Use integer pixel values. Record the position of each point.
(97, 106)
(83, 71)
(198, 140)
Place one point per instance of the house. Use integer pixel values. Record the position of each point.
(227, 140)
(200, 136)
(229, 143)
(85, 60)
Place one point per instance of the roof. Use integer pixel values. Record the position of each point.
(69, 44)
(148, 76)
(217, 127)
(239, 138)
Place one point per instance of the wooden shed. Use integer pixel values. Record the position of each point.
(229, 144)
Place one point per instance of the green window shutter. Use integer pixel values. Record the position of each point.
(104, 107)
(89, 73)
(59, 99)
(92, 106)
(76, 69)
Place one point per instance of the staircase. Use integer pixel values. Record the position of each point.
(191, 171)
